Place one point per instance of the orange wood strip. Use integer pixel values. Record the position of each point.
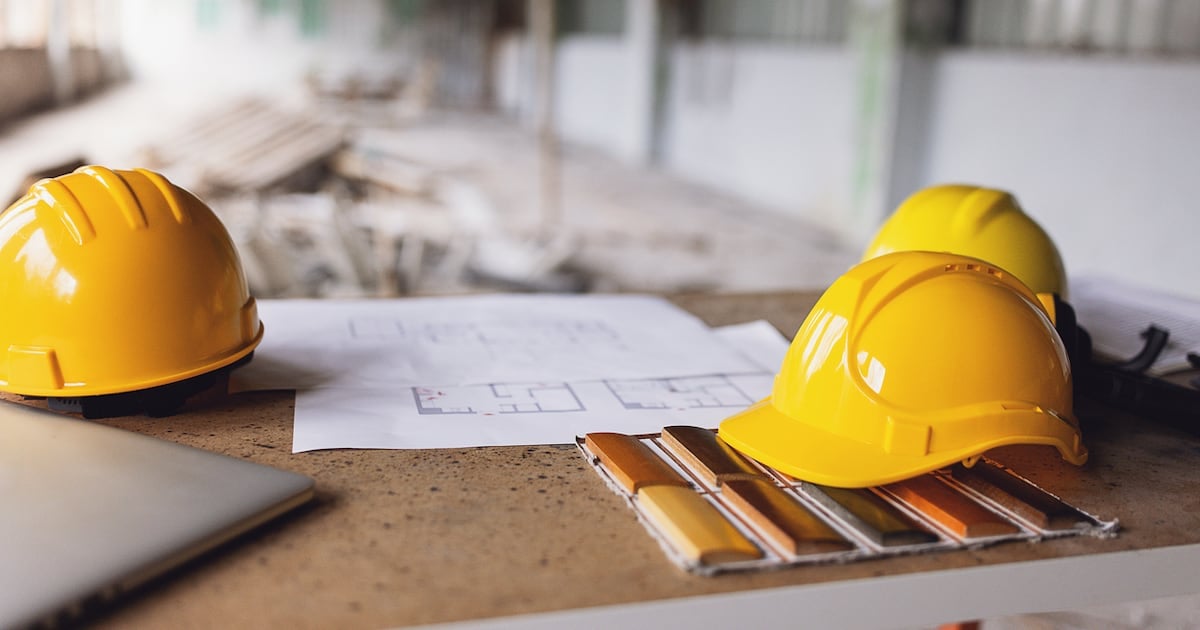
(961, 625)
(957, 513)
(631, 462)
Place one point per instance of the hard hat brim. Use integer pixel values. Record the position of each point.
(90, 389)
(807, 452)
(766, 434)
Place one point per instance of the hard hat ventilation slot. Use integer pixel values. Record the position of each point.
(975, 267)
(1022, 407)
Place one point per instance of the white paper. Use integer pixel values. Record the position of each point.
(758, 341)
(386, 344)
(1115, 313)
(534, 412)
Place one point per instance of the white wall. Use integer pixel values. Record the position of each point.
(770, 123)
(512, 76)
(1103, 152)
(773, 124)
(595, 103)
(592, 104)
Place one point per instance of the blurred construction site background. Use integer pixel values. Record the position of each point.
(398, 147)
(363, 148)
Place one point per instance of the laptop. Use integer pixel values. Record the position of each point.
(89, 511)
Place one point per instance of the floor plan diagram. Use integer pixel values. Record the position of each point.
(697, 392)
(680, 393)
(497, 399)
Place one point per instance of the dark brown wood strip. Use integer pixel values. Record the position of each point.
(708, 455)
(1021, 497)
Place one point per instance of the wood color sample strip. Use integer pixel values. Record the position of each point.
(783, 518)
(881, 522)
(1021, 497)
(708, 455)
(694, 526)
(953, 510)
(632, 463)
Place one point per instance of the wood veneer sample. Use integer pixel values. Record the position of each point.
(870, 514)
(783, 518)
(632, 463)
(953, 510)
(694, 526)
(708, 455)
(1023, 498)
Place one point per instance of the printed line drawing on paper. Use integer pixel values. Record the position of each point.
(699, 392)
(497, 398)
(679, 393)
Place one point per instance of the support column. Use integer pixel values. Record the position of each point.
(542, 23)
(58, 50)
(876, 40)
(895, 93)
(641, 65)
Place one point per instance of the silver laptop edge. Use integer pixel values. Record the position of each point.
(89, 511)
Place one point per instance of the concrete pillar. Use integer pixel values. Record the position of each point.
(58, 50)
(641, 64)
(913, 116)
(876, 40)
(543, 30)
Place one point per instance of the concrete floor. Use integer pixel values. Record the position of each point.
(642, 230)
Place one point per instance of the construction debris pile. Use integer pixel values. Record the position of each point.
(320, 208)
(323, 202)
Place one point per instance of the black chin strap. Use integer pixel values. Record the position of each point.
(1155, 340)
(1125, 384)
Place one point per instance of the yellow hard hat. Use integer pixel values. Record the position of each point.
(117, 281)
(973, 221)
(908, 363)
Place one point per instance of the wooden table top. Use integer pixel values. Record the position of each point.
(400, 537)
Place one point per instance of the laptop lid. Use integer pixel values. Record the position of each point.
(89, 511)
